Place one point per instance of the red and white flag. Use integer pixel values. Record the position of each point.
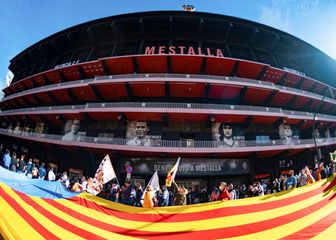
(104, 174)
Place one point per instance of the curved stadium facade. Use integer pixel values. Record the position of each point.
(235, 99)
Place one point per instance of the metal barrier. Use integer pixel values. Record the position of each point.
(164, 76)
(88, 106)
(181, 143)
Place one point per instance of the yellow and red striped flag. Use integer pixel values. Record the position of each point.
(171, 174)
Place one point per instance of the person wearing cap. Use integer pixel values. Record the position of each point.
(149, 198)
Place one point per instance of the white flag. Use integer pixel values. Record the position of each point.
(154, 182)
(104, 174)
(108, 171)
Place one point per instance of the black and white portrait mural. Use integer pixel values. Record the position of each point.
(39, 128)
(71, 130)
(286, 134)
(226, 134)
(138, 134)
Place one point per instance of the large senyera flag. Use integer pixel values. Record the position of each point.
(303, 213)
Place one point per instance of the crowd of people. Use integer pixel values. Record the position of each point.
(166, 196)
(32, 169)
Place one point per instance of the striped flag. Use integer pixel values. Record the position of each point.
(171, 174)
(304, 213)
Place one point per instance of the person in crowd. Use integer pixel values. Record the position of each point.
(291, 182)
(64, 179)
(265, 186)
(302, 179)
(83, 183)
(150, 200)
(29, 168)
(14, 162)
(258, 189)
(319, 171)
(325, 171)
(275, 186)
(283, 179)
(35, 172)
(214, 194)
(250, 191)
(180, 194)
(51, 175)
(6, 159)
(332, 169)
(138, 194)
(21, 164)
(76, 186)
(42, 171)
(141, 138)
(232, 191)
(223, 192)
(242, 191)
(114, 192)
(165, 196)
(128, 194)
(171, 198)
(204, 195)
(73, 134)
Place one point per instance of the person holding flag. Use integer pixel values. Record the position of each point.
(180, 195)
(104, 174)
(150, 200)
(310, 178)
(180, 191)
(148, 197)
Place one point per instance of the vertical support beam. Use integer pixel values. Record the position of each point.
(235, 69)
(206, 92)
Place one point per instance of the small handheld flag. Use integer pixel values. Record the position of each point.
(171, 174)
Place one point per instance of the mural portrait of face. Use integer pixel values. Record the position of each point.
(75, 126)
(141, 129)
(227, 131)
(39, 127)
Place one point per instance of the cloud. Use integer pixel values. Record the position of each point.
(284, 14)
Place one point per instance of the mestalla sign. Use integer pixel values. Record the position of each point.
(183, 50)
(190, 167)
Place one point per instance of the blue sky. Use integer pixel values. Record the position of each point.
(24, 22)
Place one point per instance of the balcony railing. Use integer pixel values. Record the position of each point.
(179, 143)
(164, 76)
(161, 105)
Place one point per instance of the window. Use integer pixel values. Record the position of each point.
(263, 139)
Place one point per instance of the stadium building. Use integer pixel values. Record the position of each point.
(235, 99)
